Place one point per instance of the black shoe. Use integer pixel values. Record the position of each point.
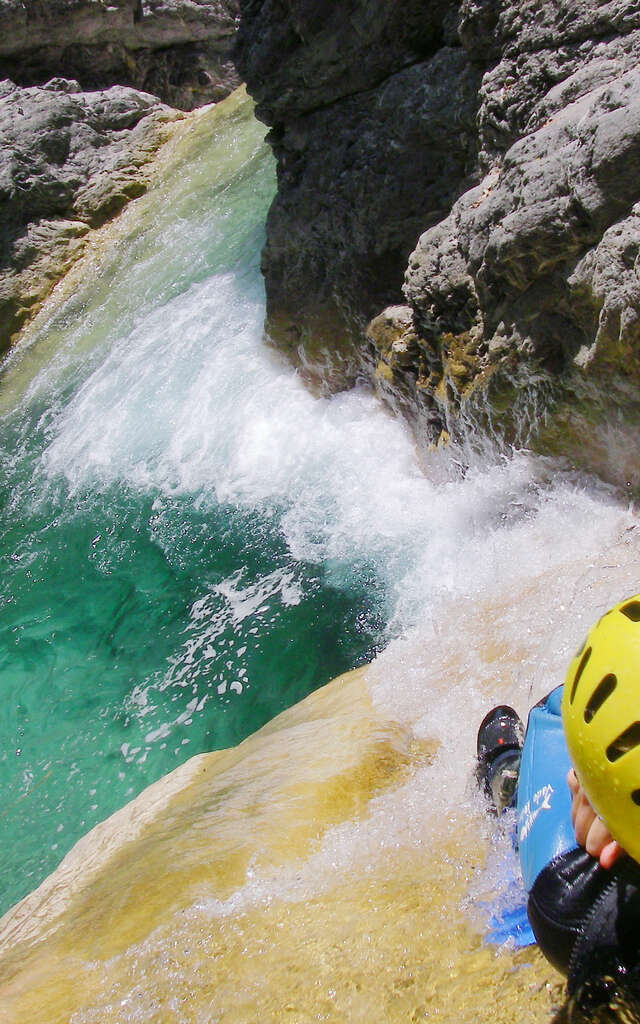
(500, 739)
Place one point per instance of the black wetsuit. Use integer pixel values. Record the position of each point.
(587, 919)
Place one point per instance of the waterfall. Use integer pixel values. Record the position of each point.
(191, 541)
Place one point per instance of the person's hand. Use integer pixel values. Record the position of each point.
(590, 830)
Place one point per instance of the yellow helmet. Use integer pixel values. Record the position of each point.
(601, 718)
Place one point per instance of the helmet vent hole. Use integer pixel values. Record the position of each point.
(635, 796)
(581, 667)
(626, 741)
(632, 610)
(603, 690)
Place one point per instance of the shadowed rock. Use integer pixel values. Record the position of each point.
(373, 129)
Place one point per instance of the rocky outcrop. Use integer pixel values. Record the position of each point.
(69, 161)
(531, 281)
(74, 150)
(511, 131)
(179, 50)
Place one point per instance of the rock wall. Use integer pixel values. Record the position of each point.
(69, 161)
(531, 281)
(509, 130)
(179, 50)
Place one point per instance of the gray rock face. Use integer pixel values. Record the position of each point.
(179, 50)
(73, 150)
(69, 161)
(511, 128)
(534, 273)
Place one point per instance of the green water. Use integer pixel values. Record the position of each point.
(152, 604)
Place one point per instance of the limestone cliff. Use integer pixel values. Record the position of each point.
(490, 150)
(76, 133)
(69, 161)
(179, 50)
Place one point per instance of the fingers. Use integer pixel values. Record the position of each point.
(572, 781)
(590, 830)
(598, 837)
(583, 817)
(610, 853)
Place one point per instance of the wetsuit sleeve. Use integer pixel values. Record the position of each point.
(608, 940)
(559, 902)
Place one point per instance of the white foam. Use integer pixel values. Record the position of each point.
(191, 402)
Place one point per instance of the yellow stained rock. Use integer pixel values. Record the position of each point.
(139, 922)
